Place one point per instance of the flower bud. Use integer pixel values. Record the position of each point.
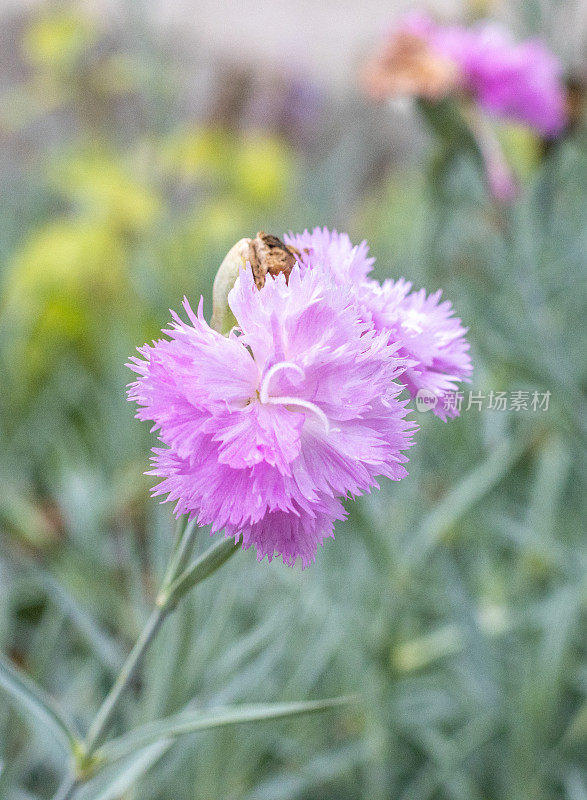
(222, 317)
(266, 255)
(408, 66)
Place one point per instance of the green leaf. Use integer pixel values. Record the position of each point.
(469, 491)
(39, 705)
(182, 550)
(191, 721)
(103, 645)
(200, 569)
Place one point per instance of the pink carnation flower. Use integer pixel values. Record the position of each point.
(521, 81)
(350, 264)
(266, 430)
(429, 337)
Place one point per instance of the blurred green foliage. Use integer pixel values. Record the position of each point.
(453, 601)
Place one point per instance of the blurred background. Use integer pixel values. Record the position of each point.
(138, 142)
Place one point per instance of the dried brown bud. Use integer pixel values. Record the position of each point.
(406, 66)
(268, 255)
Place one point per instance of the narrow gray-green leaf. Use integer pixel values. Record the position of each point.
(474, 485)
(39, 705)
(200, 569)
(192, 721)
(105, 648)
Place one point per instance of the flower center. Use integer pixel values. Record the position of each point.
(265, 398)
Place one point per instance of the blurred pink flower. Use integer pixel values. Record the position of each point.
(521, 81)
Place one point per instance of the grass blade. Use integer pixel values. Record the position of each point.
(192, 721)
(469, 491)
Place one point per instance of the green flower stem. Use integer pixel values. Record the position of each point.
(177, 582)
(104, 715)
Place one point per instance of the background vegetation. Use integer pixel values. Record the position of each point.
(453, 602)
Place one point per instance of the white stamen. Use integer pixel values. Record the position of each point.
(296, 401)
(290, 401)
(264, 390)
